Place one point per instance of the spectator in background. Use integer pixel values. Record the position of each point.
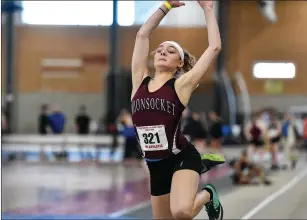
(255, 136)
(216, 131)
(290, 137)
(43, 120)
(82, 127)
(82, 121)
(245, 172)
(43, 126)
(57, 121)
(197, 132)
(57, 124)
(274, 133)
(132, 153)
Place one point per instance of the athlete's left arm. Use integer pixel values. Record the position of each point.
(187, 83)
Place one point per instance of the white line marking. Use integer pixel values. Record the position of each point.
(275, 195)
(128, 210)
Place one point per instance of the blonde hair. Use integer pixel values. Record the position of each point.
(188, 63)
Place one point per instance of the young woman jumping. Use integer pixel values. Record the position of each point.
(174, 164)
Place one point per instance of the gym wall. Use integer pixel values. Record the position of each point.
(250, 38)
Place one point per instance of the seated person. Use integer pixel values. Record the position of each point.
(246, 172)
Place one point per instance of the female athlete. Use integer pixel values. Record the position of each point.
(157, 105)
(255, 135)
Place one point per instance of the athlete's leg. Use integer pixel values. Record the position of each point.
(161, 173)
(274, 153)
(288, 153)
(186, 203)
(161, 207)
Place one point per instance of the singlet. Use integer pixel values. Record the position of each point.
(255, 132)
(156, 117)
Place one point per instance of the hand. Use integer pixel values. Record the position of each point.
(176, 3)
(204, 4)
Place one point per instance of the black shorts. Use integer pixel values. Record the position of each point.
(275, 140)
(161, 172)
(257, 142)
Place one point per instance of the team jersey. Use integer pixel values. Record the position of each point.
(157, 117)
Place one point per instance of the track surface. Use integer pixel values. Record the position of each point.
(89, 191)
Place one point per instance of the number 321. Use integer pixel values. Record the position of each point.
(149, 138)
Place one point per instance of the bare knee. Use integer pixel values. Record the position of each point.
(182, 212)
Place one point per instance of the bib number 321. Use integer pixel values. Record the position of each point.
(152, 138)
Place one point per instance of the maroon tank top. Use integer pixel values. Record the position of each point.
(156, 117)
(255, 131)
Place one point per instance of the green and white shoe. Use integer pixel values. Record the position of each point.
(211, 160)
(214, 208)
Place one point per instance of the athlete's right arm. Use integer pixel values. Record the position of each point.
(141, 47)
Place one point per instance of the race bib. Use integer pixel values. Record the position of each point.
(152, 138)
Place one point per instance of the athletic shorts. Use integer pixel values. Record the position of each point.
(275, 140)
(161, 172)
(257, 142)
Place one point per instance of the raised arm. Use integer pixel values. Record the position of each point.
(141, 47)
(189, 81)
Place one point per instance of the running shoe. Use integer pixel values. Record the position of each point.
(211, 160)
(214, 208)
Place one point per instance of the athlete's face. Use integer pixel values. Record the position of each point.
(167, 58)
